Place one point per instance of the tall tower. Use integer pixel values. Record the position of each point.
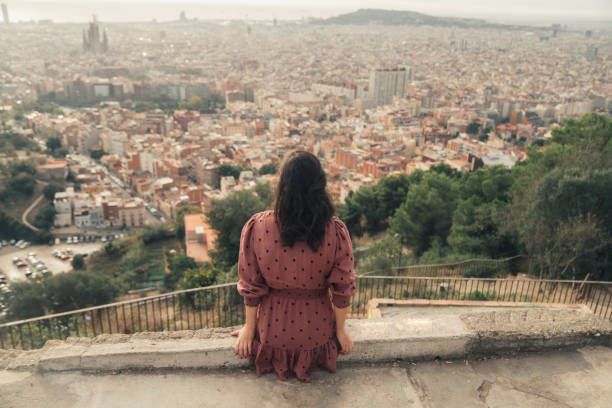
(387, 83)
(5, 15)
(92, 40)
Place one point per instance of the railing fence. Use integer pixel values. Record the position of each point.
(222, 306)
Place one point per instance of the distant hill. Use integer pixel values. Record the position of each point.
(399, 17)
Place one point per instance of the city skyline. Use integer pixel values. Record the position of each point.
(536, 12)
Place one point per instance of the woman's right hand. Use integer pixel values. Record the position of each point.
(346, 344)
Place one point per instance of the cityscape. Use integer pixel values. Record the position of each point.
(133, 152)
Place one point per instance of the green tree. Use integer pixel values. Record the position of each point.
(481, 212)
(177, 265)
(268, 168)
(227, 216)
(22, 184)
(427, 211)
(568, 225)
(25, 299)
(53, 143)
(473, 128)
(225, 170)
(50, 189)
(78, 289)
(45, 218)
(198, 277)
(97, 154)
(265, 193)
(78, 262)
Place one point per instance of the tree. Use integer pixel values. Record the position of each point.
(97, 154)
(25, 299)
(50, 189)
(45, 218)
(225, 170)
(268, 168)
(58, 293)
(22, 184)
(53, 143)
(368, 208)
(177, 265)
(78, 262)
(473, 128)
(481, 212)
(265, 193)
(227, 216)
(205, 275)
(427, 211)
(78, 289)
(567, 226)
(561, 201)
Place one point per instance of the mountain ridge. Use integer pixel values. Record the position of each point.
(406, 17)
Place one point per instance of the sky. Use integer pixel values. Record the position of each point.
(145, 10)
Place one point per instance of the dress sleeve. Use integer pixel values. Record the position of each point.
(342, 276)
(252, 285)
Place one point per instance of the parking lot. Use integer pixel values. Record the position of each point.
(44, 253)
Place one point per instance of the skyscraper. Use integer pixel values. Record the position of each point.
(387, 83)
(5, 16)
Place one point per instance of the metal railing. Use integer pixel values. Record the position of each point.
(222, 306)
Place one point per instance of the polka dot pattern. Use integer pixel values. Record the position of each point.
(295, 288)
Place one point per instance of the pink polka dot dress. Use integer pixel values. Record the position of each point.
(294, 289)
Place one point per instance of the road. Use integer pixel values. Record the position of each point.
(576, 379)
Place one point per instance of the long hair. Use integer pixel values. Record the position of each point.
(302, 207)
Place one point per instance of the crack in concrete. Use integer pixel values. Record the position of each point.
(528, 389)
(483, 390)
(420, 389)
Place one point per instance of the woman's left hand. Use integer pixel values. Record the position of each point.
(244, 344)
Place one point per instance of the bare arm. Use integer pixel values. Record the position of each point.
(245, 335)
(346, 344)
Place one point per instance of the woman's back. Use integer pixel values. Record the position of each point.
(296, 276)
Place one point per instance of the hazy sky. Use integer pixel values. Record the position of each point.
(493, 9)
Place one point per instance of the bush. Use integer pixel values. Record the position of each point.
(478, 295)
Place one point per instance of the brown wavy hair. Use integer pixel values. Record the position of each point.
(302, 207)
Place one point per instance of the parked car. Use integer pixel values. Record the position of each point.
(69, 240)
(103, 239)
(28, 273)
(16, 259)
(75, 239)
(12, 242)
(21, 264)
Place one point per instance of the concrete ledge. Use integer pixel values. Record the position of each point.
(440, 335)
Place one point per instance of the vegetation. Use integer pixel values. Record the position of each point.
(268, 168)
(11, 141)
(45, 218)
(50, 189)
(58, 293)
(555, 207)
(54, 146)
(225, 170)
(97, 154)
(228, 216)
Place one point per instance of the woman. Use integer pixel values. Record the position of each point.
(296, 276)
